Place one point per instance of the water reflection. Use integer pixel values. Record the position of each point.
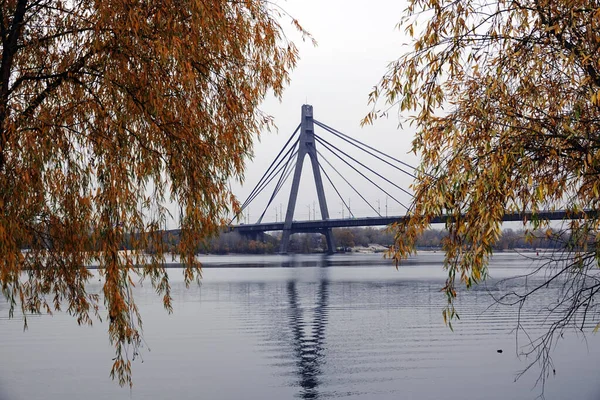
(349, 331)
(308, 338)
(319, 260)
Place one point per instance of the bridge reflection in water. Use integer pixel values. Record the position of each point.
(308, 336)
(308, 346)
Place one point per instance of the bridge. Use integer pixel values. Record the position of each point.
(291, 158)
(321, 225)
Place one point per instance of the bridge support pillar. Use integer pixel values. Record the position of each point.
(306, 147)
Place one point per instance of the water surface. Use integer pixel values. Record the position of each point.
(307, 327)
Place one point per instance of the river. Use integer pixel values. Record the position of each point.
(307, 327)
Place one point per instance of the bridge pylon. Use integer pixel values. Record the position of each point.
(306, 147)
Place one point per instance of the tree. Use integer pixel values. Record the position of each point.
(109, 112)
(344, 238)
(505, 99)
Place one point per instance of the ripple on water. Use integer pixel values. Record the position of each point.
(310, 333)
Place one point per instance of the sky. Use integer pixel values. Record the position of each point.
(356, 42)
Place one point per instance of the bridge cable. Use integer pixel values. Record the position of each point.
(363, 165)
(287, 171)
(282, 178)
(345, 180)
(270, 170)
(334, 188)
(283, 167)
(266, 183)
(272, 176)
(287, 175)
(349, 139)
(325, 144)
(368, 152)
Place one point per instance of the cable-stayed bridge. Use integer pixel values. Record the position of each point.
(290, 160)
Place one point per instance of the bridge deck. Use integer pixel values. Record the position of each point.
(318, 225)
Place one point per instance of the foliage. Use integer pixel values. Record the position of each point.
(109, 111)
(233, 242)
(505, 99)
(344, 238)
(431, 239)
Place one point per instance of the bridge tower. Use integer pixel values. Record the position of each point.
(306, 147)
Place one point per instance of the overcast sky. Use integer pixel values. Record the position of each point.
(356, 41)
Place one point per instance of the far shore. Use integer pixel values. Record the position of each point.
(218, 260)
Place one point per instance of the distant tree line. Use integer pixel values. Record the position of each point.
(347, 238)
